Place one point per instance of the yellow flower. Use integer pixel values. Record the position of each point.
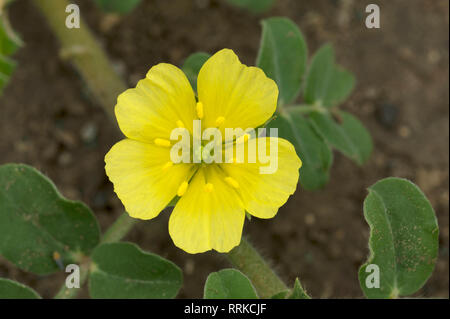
(214, 197)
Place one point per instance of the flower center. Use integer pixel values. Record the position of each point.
(203, 154)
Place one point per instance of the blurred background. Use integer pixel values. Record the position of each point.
(48, 120)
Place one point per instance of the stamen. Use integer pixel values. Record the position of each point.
(209, 187)
(200, 113)
(162, 142)
(182, 189)
(167, 165)
(219, 121)
(180, 124)
(232, 182)
(244, 138)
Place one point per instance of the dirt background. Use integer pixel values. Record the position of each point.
(48, 120)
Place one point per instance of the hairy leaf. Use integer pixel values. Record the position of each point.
(326, 83)
(403, 239)
(123, 270)
(10, 289)
(345, 133)
(36, 221)
(312, 150)
(282, 56)
(229, 284)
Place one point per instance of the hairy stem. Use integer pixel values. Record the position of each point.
(80, 47)
(114, 233)
(68, 293)
(307, 108)
(119, 229)
(245, 258)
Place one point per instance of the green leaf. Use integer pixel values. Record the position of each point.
(229, 284)
(123, 270)
(192, 66)
(298, 292)
(255, 6)
(403, 238)
(9, 43)
(36, 221)
(7, 65)
(312, 150)
(3, 81)
(282, 56)
(10, 289)
(326, 83)
(117, 6)
(295, 293)
(349, 136)
(281, 295)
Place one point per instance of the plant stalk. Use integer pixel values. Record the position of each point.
(245, 258)
(119, 229)
(307, 108)
(68, 293)
(80, 47)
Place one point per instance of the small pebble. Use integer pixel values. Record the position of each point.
(433, 56)
(100, 200)
(50, 151)
(404, 131)
(89, 133)
(109, 21)
(120, 67)
(387, 115)
(189, 267)
(64, 159)
(22, 147)
(310, 219)
(66, 138)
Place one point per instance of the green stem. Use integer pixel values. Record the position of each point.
(119, 229)
(245, 258)
(306, 108)
(80, 46)
(68, 293)
(114, 233)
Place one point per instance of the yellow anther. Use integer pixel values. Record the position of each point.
(200, 113)
(180, 124)
(182, 189)
(219, 121)
(232, 182)
(162, 142)
(167, 165)
(209, 187)
(244, 138)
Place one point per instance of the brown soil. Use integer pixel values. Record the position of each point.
(47, 121)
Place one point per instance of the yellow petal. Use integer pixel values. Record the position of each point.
(210, 214)
(244, 96)
(263, 194)
(157, 105)
(142, 179)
